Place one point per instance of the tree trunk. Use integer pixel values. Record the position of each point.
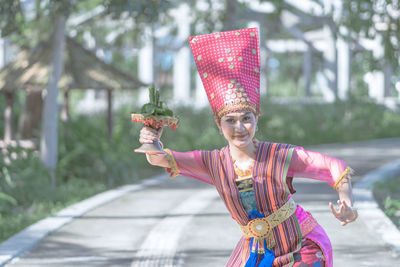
(30, 118)
(330, 65)
(48, 141)
(109, 115)
(229, 21)
(387, 72)
(65, 108)
(264, 55)
(307, 70)
(8, 118)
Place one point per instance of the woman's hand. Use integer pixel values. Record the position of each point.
(345, 214)
(148, 135)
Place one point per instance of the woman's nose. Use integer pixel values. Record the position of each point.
(239, 125)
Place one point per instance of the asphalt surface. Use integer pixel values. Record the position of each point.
(182, 222)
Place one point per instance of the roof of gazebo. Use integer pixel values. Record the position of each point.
(82, 70)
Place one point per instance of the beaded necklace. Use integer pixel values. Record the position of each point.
(239, 167)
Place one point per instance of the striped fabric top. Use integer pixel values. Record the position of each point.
(271, 192)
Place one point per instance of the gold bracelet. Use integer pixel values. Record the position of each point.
(174, 170)
(344, 178)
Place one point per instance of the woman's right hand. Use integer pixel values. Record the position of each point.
(148, 135)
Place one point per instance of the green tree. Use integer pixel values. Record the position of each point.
(369, 18)
(20, 28)
(11, 17)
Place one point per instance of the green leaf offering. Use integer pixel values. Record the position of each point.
(148, 109)
(155, 107)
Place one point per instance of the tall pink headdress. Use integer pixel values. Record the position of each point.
(229, 66)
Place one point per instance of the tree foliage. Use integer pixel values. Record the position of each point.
(28, 25)
(372, 18)
(11, 17)
(143, 11)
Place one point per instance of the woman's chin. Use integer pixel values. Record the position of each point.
(241, 142)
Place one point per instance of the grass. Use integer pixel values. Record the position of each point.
(49, 203)
(387, 194)
(88, 163)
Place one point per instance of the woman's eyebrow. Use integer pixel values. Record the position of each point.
(232, 117)
(245, 114)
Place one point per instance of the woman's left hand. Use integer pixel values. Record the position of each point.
(345, 214)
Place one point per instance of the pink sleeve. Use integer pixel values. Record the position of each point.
(315, 165)
(189, 164)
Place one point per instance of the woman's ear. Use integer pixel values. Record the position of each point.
(218, 122)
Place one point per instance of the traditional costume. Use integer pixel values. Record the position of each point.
(276, 230)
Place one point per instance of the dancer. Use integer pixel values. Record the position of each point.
(254, 178)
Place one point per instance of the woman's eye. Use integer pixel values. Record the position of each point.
(246, 118)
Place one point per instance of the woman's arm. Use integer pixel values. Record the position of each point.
(188, 164)
(336, 172)
(160, 160)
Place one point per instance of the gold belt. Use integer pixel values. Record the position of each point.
(260, 228)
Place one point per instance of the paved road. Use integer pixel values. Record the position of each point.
(182, 222)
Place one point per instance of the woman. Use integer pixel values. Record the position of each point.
(254, 179)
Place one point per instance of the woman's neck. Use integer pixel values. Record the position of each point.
(243, 154)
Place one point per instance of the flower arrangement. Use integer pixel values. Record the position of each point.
(156, 113)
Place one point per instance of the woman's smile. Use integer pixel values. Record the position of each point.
(238, 128)
(240, 136)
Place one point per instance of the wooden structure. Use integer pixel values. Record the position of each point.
(82, 70)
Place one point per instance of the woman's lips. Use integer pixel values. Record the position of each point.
(240, 136)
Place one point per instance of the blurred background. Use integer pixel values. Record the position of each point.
(71, 72)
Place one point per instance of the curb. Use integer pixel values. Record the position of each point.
(369, 211)
(30, 236)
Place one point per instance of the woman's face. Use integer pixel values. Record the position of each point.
(238, 128)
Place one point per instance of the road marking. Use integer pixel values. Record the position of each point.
(160, 246)
(81, 259)
(30, 236)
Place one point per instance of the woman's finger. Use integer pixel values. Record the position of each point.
(335, 213)
(153, 132)
(145, 141)
(341, 211)
(145, 138)
(149, 134)
(346, 207)
(149, 130)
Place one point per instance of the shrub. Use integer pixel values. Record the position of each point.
(89, 163)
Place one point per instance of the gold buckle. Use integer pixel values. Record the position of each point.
(262, 227)
(259, 227)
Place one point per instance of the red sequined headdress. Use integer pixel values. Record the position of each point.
(229, 66)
